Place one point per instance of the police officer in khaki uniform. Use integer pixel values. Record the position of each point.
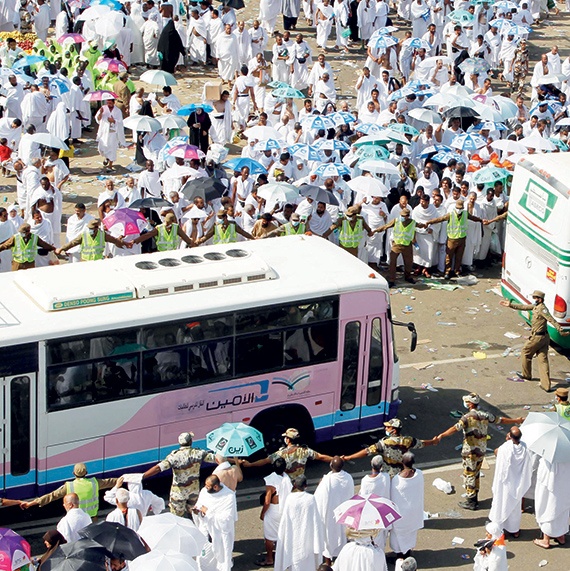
(539, 339)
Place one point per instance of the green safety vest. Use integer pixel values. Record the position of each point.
(404, 235)
(167, 240)
(227, 236)
(88, 491)
(457, 227)
(350, 237)
(24, 253)
(92, 247)
(563, 410)
(290, 230)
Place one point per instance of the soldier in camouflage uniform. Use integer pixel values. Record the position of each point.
(295, 456)
(185, 463)
(474, 424)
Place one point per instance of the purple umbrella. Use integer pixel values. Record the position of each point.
(186, 151)
(131, 221)
(367, 512)
(14, 550)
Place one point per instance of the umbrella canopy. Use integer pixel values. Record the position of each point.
(509, 146)
(417, 43)
(278, 192)
(537, 143)
(170, 561)
(489, 175)
(94, 12)
(48, 141)
(171, 121)
(369, 185)
(116, 538)
(186, 151)
(158, 77)
(444, 157)
(142, 123)
(235, 439)
(82, 555)
(547, 434)
(489, 126)
(59, 86)
(331, 145)
(288, 93)
(462, 17)
(100, 95)
(438, 147)
(368, 511)
(207, 188)
(74, 38)
(405, 129)
(378, 167)
(28, 60)
(468, 142)
(372, 152)
(277, 84)
(167, 531)
(270, 145)
(305, 152)
(262, 133)
(110, 64)
(383, 41)
(474, 65)
(190, 108)
(369, 128)
(342, 118)
(128, 222)
(425, 115)
(150, 202)
(460, 111)
(381, 138)
(331, 169)
(110, 26)
(14, 550)
(240, 162)
(318, 194)
(507, 107)
(317, 122)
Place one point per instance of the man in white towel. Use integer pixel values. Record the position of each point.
(513, 476)
(336, 487)
(74, 520)
(300, 540)
(128, 516)
(363, 552)
(142, 500)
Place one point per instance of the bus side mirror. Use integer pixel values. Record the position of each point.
(412, 329)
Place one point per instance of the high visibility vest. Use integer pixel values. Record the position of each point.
(563, 410)
(457, 226)
(167, 240)
(88, 491)
(350, 237)
(23, 252)
(92, 247)
(404, 235)
(290, 230)
(227, 236)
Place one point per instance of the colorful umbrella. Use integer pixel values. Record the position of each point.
(277, 84)
(74, 38)
(270, 145)
(59, 85)
(369, 128)
(417, 43)
(489, 175)
(100, 95)
(305, 152)
(318, 122)
(126, 221)
(187, 152)
(462, 17)
(235, 439)
(331, 145)
(468, 142)
(372, 152)
(444, 157)
(28, 60)
(158, 77)
(190, 108)
(405, 129)
(110, 64)
(342, 118)
(238, 163)
(368, 511)
(382, 42)
(14, 550)
(326, 170)
(437, 148)
(288, 93)
(112, 4)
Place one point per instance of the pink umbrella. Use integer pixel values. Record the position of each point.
(113, 65)
(367, 512)
(100, 95)
(14, 550)
(125, 221)
(75, 38)
(186, 152)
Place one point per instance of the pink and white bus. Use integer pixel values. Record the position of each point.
(107, 362)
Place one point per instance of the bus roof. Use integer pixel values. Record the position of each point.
(548, 166)
(73, 299)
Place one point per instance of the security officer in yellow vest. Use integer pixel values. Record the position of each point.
(562, 406)
(167, 235)
(92, 241)
(352, 228)
(24, 246)
(86, 488)
(403, 238)
(456, 236)
(292, 228)
(224, 231)
(539, 339)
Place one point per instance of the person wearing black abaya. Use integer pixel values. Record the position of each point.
(170, 45)
(199, 124)
(146, 109)
(52, 540)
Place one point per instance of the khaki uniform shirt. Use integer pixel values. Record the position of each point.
(295, 457)
(539, 317)
(475, 425)
(185, 463)
(392, 448)
(104, 484)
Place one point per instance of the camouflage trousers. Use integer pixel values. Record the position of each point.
(471, 474)
(182, 501)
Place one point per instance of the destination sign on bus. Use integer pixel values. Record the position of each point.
(95, 300)
(538, 200)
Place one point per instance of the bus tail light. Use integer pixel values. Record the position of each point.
(560, 307)
(503, 260)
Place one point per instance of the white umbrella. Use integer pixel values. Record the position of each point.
(158, 77)
(110, 24)
(168, 531)
(278, 192)
(173, 174)
(378, 167)
(49, 141)
(171, 121)
(538, 143)
(425, 115)
(95, 12)
(507, 107)
(509, 146)
(194, 213)
(262, 133)
(142, 123)
(431, 61)
(368, 185)
(547, 434)
(565, 121)
(488, 113)
(445, 100)
(169, 561)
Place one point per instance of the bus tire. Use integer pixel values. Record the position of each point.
(272, 423)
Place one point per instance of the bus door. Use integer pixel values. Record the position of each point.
(18, 434)
(362, 375)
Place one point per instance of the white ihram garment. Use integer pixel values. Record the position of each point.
(408, 495)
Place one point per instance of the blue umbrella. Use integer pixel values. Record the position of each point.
(113, 4)
(269, 145)
(369, 128)
(401, 93)
(318, 122)
(382, 42)
(238, 163)
(384, 31)
(417, 43)
(491, 125)
(517, 30)
(489, 175)
(277, 84)
(235, 439)
(180, 140)
(288, 93)
(188, 109)
(468, 142)
(445, 156)
(342, 117)
(405, 128)
(331, 169)
(305, 152)
(60, 85)
(474, 65)
(331, 145)
(372, 152)
(437, 148)
(28, 60)
(559, 143)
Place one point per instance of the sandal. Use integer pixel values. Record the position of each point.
(264, 564)
(537, 542)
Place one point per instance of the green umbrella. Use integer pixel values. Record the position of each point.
(288, 93)
(372, 152)
(235, 439)
(405, 129)
(489, 175)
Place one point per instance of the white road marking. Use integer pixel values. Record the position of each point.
(449, 361)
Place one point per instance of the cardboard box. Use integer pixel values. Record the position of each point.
(212, 90)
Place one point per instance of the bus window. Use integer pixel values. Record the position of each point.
(263, 319)
(115, 378)
(18, 359)
(164, 369)
(350, 362)
(70, 386)
(210, 361)
(376, 364)
(259, 353)
(20, 426)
